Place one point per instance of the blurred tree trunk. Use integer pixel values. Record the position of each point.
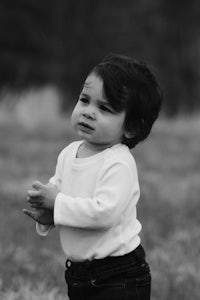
(180, 42)
(78, 38)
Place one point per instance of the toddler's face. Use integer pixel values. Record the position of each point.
(94, 119)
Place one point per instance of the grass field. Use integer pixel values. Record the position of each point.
(32, 267)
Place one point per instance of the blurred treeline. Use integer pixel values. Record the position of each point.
(58, 41)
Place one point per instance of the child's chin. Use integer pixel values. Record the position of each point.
(85, 136)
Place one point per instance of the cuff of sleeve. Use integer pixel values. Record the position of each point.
(52, 181)
(43, 230)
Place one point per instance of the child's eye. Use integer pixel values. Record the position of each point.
(84, 100)
(105, 108)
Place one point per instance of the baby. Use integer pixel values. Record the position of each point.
(93, 194)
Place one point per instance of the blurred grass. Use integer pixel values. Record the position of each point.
(169, 170)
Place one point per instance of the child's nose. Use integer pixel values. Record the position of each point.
(89, 113)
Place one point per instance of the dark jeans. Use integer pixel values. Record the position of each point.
(113, 278)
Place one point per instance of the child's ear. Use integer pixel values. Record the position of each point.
(129, 134)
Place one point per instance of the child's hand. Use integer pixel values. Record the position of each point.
(42, 216)
(43, 196)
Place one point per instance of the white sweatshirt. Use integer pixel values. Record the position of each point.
(96, 207)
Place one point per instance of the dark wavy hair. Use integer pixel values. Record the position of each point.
(129, 85)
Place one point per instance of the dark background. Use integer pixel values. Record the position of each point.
(58, 41)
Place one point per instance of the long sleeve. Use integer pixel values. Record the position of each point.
(112, 194)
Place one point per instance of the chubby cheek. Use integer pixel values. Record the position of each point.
(111, 130)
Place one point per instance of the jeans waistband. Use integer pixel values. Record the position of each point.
(103, 265)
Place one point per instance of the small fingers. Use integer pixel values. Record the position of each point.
(38, 185)
(34, 202)
(33, 194)
(29, 213)
(36, 205)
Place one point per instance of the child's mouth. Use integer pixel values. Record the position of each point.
(85, 125)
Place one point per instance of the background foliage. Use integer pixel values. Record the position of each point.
(57, 42)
